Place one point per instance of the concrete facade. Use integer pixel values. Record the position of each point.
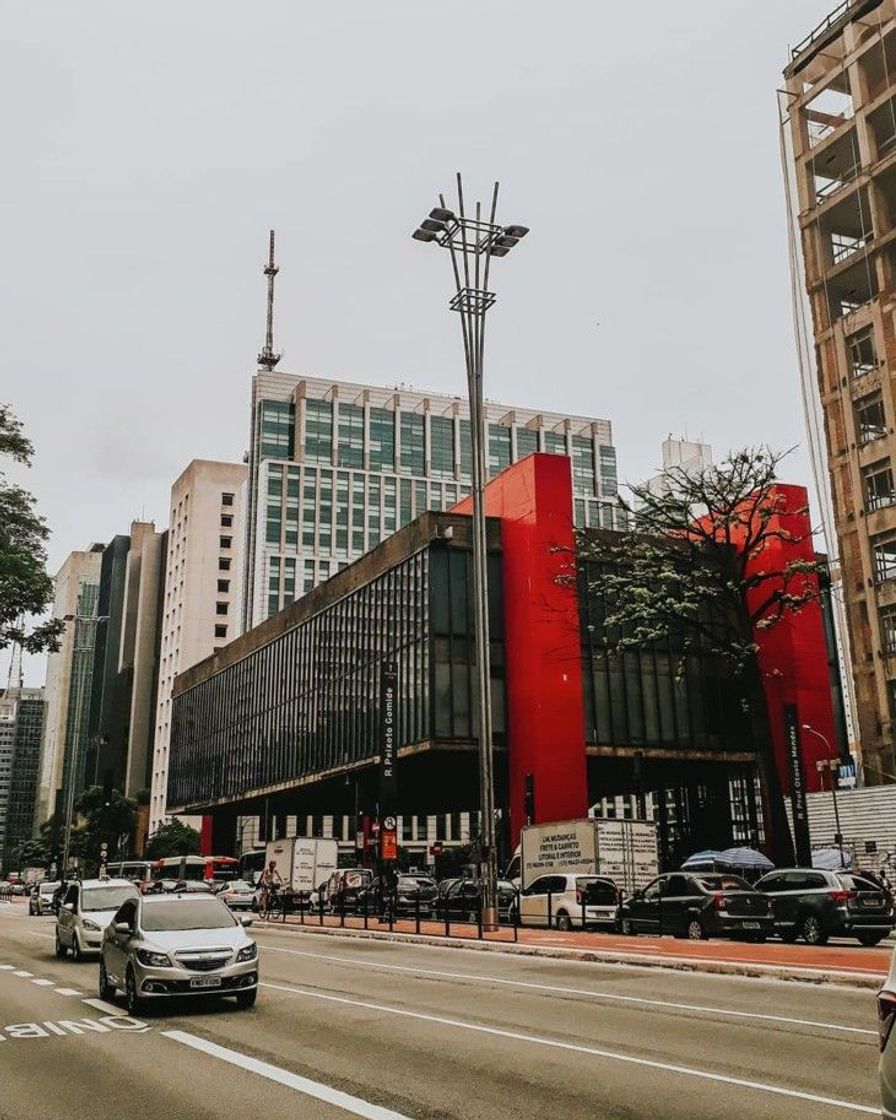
(200, 605)
(840, 144)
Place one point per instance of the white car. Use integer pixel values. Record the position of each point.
(886, 1017)
(87, 907)
(567, 901)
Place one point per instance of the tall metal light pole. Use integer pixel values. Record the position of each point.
(833, 761)
(471, 243)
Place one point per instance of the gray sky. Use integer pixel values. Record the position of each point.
(148, 149)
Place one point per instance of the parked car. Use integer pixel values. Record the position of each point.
(237, 894)
(87, 907)
(698, 906)
(462, 900)
(886, 1017)
(341, 890)
(568, 901)
(816, 905)
(413, 893)
(41, 900)
(164, 945)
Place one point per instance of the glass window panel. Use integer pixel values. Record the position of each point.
(412, 443)
(441, 434)
(318, 431)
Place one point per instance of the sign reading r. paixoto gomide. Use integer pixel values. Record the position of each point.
(798, 803)
(388, 746)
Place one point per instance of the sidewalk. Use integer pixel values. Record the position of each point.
(834, 964)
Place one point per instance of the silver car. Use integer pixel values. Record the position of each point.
(41, 900)
(87, 907)
(164, 945)
(886, 1017)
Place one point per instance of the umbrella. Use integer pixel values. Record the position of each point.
(831, 859)
(745, 859)
(701, 861)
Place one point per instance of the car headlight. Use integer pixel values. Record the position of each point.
(88, 924)
(154, 960)
(247, 953)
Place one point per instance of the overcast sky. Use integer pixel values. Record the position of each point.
(148, 149)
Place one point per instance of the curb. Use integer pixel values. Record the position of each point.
(790, 973)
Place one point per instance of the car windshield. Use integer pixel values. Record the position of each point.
(47, 888)
(106, 898)
(724, 883)
(858, 883)
(238, 885)
(197, 913)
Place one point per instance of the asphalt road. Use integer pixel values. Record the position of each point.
(387, 1031)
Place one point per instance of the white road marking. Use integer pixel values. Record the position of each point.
(6, 967)
(67, 992)
(345, 1101)
(42, 983)
(553, 988)
(101, 1005)
(23, 973)
(593, 1051)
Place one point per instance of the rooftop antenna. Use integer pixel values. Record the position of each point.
(267, 359)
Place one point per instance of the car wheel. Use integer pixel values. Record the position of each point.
(106, 990)
(135, 1003)
(788, 936)
(696, 932)
(812, 931)
(869, 939)
(245, 1000)
(61, 950)
(627, 927)
(564, 922)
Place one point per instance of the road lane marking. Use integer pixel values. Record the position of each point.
(320, 1092)
(577, 1048)
(22, 972)
(616, 997)
(41, 983)
(101, 1005)
(7, 967)
(67, 992)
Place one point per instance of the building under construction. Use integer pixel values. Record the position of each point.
(838, 113)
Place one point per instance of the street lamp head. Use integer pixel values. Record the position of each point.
(499, 251)
(440, 214)
(423, 235)
(433, 225)
(516, 231)
(808, 727)
(506, 241)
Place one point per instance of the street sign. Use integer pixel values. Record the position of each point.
(388, 742)
(390, 823)
(359, 841)
(846, 778)
(388, 844)
(798, 804)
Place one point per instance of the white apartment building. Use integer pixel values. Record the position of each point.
(69, 678)
(335, 467)
(200, 610)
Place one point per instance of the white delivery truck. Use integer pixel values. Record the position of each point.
(304, 862)
(624, 851)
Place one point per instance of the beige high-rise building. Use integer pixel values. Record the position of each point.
(839, 144)
(203, 579)
(69, 678)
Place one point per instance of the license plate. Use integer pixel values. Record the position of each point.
(206, 982)
(751, 925)
(870, 902)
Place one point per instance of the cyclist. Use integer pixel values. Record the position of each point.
(270, 881)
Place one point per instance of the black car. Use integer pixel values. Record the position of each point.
(462, 900)
(698, 906)
(816, 905)
(412, 894)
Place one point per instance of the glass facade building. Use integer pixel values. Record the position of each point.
(17, 809)
(334, 468)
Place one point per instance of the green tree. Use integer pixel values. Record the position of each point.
(32, 853)
(106, 820)
(172, 839)
(698, 565)
(25, 587)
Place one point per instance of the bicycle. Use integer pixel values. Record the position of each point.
(271, 906)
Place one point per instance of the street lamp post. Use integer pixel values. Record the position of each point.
(832, 762)
(471, 243)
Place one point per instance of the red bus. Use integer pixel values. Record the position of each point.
(211, 869)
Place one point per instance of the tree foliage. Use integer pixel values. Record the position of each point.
(700, 565)
(103, 819)
(172, 839)
(25, 587)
